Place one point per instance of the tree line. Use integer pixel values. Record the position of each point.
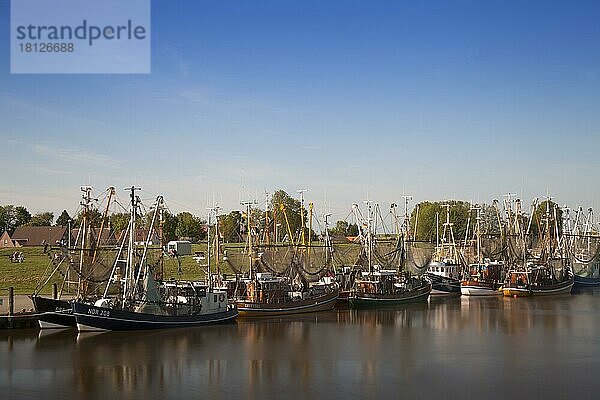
(283, 218)
(282, 221)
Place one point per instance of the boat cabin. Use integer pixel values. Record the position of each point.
(267, 289)
(518, 278)
(446, 268)
(379, 281)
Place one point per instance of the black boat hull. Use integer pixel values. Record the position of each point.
(320, 303)
(443, 285)
(53, 313)
(92, 318)
(583, 282)
(374, 300)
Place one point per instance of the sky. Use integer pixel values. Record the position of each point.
(352, 100)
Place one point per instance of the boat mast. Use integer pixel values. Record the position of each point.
(215, 209)
(142, 268)
(437, 231)
(130, 268)
(249, 234)
(111, 194)
(369, 235)
(478, 232)
(84, 228)
(393, 207)
(416, 222)
(327, 239)
(301, 191)
(406, 232)
(267, 222)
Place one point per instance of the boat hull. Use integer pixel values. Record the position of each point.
(53, 313)
(257, 309)
(516, 291)
(550, 290)
(473, 288)
(343, 299)
(583, 281)
(375, 300)
(443, 285)
(92, 318)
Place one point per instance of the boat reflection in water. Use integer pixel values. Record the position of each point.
(350, 353)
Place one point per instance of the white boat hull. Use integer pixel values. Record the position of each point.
(479, 291)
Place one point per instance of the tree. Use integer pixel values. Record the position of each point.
(352, 230)
(119, 221)
(170, 223)
(547, 215)
(489, 220)
(94, 218)
(22, 216)
(41, 219)
(426, 224)
(189, 226)
(281, 202)
(340, 229)
(343, 228)
(229, 225)
(4, 218)
(63, 219)
(12, 217)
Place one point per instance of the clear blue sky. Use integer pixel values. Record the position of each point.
(438, 99)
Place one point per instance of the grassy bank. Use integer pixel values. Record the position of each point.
(25, 276)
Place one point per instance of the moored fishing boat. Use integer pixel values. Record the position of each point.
(80, 264)
(53, 313)
(136, 301)
(445, 269)
(484, 277)
(544, 270)
(584, 249)
(181, 305)
(384, 287)
(274, 296)
(536, 281)
(265, 293)
(483, 280)
(444, 277)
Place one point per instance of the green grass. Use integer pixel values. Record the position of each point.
(24, 276)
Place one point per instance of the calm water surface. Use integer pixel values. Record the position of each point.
(455, 348)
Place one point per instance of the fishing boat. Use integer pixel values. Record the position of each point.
(484, 277)
(276, 284)
(386, 288)
(445, 269)
(537, 281)
(584, 249)
(81, 266)
(545, 270)
(53, 313)
(134, 300)
(383, 287)
(269, 295)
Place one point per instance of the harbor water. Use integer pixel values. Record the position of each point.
(448, 348)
